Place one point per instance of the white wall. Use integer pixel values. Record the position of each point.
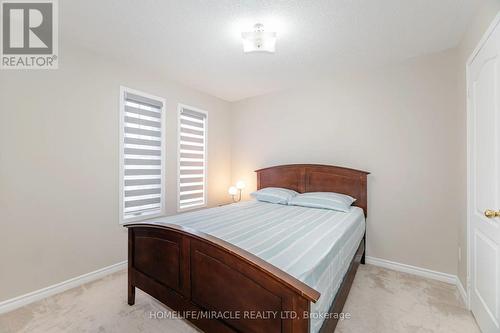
(59, 162)
(59, 185)
(474, 33)
(399, 123)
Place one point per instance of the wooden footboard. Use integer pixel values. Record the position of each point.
(216, 285)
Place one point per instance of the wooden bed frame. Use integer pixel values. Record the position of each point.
(202, 277)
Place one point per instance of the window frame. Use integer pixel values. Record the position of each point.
(121, 180)
(180, 107)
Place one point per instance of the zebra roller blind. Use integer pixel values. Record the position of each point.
(192, 158)
(143, 157)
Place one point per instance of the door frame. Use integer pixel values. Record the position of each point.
(493, 25)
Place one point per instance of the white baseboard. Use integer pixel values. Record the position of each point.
(17, 302)
(462, 292)
(423, 272)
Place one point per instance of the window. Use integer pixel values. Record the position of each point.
(192, 169)
(142, 175)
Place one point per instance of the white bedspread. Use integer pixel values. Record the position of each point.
(313, 245)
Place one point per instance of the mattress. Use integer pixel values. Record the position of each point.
(314, 245)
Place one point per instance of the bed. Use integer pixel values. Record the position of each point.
(254, 266)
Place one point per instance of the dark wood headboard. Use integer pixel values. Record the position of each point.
(317, 178)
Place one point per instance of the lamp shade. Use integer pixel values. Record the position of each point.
(232, 190)
(240, 184)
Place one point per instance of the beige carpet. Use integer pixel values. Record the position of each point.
(381, 300)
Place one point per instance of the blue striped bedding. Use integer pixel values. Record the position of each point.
(313, 245)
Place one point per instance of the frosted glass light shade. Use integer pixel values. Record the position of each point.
(240, 184)
(259, 40)
(232, 190)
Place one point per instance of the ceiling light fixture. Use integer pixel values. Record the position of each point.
(259, 40)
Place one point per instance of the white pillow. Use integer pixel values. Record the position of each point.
(326, 200)
(276, 195)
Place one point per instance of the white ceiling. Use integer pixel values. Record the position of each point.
(196, 42)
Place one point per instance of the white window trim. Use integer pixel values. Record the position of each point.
(162, 212)
(205, 161)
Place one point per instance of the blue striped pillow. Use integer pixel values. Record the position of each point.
(276, 195)
(326, 200)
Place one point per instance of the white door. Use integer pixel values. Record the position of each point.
(484, 180)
